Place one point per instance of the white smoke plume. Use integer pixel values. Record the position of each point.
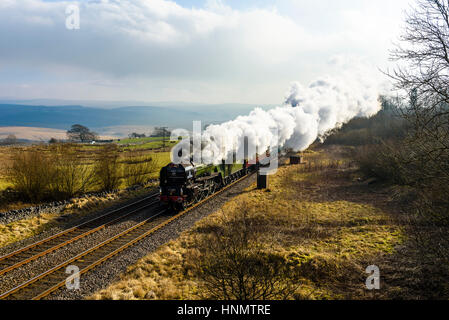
(309, 112)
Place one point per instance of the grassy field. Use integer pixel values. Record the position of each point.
(150, 145)
(146, 143)
(129, 157)
(162, 159)
(88, 152)
(139, 140)
(5, 156)
(315, 218)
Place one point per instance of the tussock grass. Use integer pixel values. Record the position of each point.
(4, 184)
(25, 228)
(157, 276)
(307, 219)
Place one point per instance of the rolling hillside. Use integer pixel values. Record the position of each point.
(62, 117)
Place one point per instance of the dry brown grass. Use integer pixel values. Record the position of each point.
(157, 276)
(25, 228)
(317, 220)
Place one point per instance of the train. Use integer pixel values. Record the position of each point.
(182, 185)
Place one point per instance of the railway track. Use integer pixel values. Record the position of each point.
(44, 284)
(43, 247)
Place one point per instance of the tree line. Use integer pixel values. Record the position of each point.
(407, 143)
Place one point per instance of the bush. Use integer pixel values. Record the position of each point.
(233, 264)
(72, 177)
(107, 169)
(31, 173)
(383, 161)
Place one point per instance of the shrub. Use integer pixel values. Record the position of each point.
(382, 161)
(31, 173)
(72, 177)
(233, 264)
(107, 169)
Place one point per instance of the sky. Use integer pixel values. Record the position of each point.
(205, 51)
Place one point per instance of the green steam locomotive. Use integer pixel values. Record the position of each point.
(182, 185)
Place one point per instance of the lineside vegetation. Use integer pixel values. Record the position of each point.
(304, 238)
(62, 171)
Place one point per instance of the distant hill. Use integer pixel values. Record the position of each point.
(62, 117)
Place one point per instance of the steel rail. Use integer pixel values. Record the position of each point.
(14, 265)
(117, 239)
(77, 257)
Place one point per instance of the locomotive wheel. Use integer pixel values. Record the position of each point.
(181, 206)
(196, 199)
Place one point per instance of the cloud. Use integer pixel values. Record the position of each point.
(238, 53)
(157, 38)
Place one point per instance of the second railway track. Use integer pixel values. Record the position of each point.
(18, 258)
(49, 281)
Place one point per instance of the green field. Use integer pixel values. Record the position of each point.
(140, 140)
(134, 144)
(162, 159)
(150, 145)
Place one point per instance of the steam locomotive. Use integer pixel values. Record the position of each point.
(182, 185)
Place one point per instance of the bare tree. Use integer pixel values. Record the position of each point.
(232, 263)
(73, 177)
(423, 73)
(425, 50)
(107, 168)
(31, 173)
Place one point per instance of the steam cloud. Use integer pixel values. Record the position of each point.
(308, 113)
